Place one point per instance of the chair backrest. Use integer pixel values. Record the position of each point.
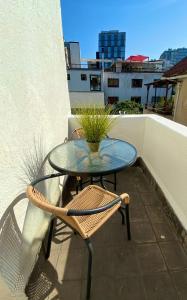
(78, 133)
(41, 201)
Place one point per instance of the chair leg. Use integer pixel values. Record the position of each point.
(89, 274)
(77, 188)
(128, 222)
(81, 185)
(49, 239)
(122, 215)
(115, 182)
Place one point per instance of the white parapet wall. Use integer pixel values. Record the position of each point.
(83, 99)
(162, 144)
(165, 154)
(33, 119)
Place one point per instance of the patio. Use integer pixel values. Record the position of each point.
(153, 265)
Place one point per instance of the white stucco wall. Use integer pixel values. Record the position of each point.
(165, 154)
(82, 99)
(75, 84)
(128, 127)
(34, 103)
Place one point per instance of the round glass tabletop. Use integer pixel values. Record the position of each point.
(76, 158)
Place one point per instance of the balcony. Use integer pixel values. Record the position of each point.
(35, 116)
(154, 264)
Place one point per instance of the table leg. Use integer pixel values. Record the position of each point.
(102, 183)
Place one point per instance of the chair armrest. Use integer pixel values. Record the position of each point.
(36, 181)
(93, 211)
(125, 198)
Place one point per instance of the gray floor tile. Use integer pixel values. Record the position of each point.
(70, 264)
(155, 214)
(70, 290)
(150, 199)
(138, 214)
(111, 234)
(164, 232)
(115, 261)
(142, 233)
(180, 281)
(150, 258)
(159, 286)
(107, 288)
(174, 255)
(135, 200)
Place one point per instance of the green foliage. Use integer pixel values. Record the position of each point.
(95, 121)
(129, 107)
(163, 104)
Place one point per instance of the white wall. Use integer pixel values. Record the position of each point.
(125, 91)
(80, 99)
(75, 84)
(33, 111)
(129, 128)
(165, 153)
(163, 146)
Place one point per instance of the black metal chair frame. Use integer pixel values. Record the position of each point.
(80, 183)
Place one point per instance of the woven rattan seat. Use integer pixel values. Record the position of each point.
(92, 197)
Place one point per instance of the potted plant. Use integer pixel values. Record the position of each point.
(96, 123)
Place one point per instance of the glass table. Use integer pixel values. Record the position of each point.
(75, 157)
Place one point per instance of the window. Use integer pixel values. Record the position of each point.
(113, 100)
(113, 82)
(136, 99)
(95, 82)
(68, 76)
(83, 77)
(137, 83)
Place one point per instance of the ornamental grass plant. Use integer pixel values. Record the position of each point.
(96, 122)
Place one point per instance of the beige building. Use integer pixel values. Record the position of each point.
(179, 72)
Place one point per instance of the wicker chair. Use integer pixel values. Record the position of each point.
(86, 213)
(78, 133)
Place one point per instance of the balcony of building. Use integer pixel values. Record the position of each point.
(153, 265)
(35, 116)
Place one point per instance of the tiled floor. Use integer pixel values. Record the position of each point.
(153, 265)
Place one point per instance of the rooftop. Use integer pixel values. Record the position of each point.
(153, 265)
(177, 70)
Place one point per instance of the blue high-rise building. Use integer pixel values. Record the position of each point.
(111, 45)
(174, 55)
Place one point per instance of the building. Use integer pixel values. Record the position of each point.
(111, 45)
(123, 81)
(72, 54)
(85, 87)
(179, 73)
(173, 56)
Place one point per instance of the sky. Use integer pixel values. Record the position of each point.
(151, 26)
